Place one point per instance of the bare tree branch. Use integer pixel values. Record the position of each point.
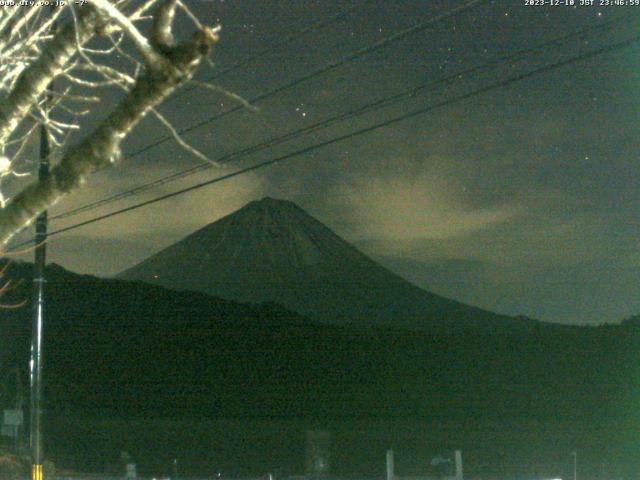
(174, 133)
(151, 58)
(162, 36)
(234, 96)
(102, 146)
(34, 80)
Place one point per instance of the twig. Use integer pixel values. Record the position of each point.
(227, 93)
(180, 141)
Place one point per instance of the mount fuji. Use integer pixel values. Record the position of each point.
(273, 251)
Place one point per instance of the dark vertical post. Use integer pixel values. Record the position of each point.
(37, 454)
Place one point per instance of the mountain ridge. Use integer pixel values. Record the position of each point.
(273, 250)
(118, 348)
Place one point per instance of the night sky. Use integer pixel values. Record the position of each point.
(520, 200)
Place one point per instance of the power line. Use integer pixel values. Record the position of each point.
(333, 65)
(383, 42)
(285, 41)
(500, 84)
(381, 103)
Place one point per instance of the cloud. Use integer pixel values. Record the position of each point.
(111, 245)
(176, 216)
(412, 203)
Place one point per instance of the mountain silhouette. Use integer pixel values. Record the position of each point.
(272, 250)
(121, 355)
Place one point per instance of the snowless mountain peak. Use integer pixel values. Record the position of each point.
(273, 208)
(270, 202)
(271, 250)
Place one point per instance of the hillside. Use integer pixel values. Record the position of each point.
(118, 349)
(272, 250)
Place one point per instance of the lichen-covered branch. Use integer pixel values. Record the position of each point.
(34, 79)
(162, 36)
(150, 56)
(102, 146)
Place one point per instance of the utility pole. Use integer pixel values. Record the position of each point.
(390, 465)
(458, 456)
(575, 464)
(37, 454)
(19, 446)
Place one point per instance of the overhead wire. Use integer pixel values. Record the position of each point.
(381, 103)
(357, 133)
(331, 66)
(285, 41)
(383, 42)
